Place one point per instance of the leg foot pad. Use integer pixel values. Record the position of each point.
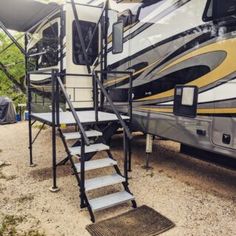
(32, 165)
(54, 189)
(147, 167)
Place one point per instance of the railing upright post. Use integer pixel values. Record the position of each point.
(82, 173)
(130, 97)
(57, 101)
(29, 100)
(130, 155)
(125, 151)
(30, 119)
(54, 187)
(131, 117)
(95, 84)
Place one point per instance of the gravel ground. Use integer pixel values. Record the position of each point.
(198, 196)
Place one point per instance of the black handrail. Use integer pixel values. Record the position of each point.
(82, 131)
(123, 124)
(130, 73)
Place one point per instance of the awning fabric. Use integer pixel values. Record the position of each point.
(22, 15)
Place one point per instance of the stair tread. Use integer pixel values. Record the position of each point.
(76, 135)
(110, 200)
(103, 181)
(96, 164)
(88, 149)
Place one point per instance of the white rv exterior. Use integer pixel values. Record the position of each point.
(166, 43)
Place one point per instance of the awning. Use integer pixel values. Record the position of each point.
(22, 15)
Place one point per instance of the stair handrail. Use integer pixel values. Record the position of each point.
(124, 126)
(76, 117)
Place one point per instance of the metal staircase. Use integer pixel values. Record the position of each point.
(94, 128)
(87, 142)
(91, 138)
(87, 185)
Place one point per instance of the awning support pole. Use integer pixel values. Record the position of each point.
(8, 46)
(54, 187)
(6, 31)
(29, 100)
(81, 39)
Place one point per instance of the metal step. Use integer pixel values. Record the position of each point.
(103, 181)
(76, 135)
(110, 200)
(96, 164)
(88, 149)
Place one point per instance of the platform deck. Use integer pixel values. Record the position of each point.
(86, 117)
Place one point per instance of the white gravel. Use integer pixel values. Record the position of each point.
(199, 197)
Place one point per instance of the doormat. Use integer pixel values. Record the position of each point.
(142, 221)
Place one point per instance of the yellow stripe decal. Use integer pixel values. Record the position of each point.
(199, 111)
(227, 67)
(109, 82)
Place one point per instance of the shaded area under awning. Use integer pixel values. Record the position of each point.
(22, 15)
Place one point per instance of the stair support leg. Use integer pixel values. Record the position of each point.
(83, 197)
(130, 156)
(82, 174)
(54, 187)
(125, 151)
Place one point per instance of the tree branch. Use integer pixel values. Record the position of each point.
(20, 85)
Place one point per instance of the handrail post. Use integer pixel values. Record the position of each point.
(125, 139)
(29, 101)
(82, 173)
(57, 100)
(131, 118)
(63, 90)
(130, 96)
(113, 106)
(54, 187)
(30, 119)
(95, 85)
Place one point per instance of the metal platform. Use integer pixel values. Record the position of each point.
(86, 117)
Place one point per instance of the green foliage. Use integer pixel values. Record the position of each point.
(9, 224)
(13, 59)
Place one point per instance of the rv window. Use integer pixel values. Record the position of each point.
(208, 13)
(87, 29)
(127, 18)
(218, 9)
(224, 8)
(49, 44)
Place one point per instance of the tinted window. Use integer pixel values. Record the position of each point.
(217, 9)
(87, 29)
(225, 8)
(50, 44)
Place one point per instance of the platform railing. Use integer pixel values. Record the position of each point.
(57, 89)
(57, 86)
(56, 79)
(127, 133)
(97, 83)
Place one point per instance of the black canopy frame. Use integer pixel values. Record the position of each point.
(28, 14)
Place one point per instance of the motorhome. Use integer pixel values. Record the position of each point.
(165, 43)
(163, 67)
